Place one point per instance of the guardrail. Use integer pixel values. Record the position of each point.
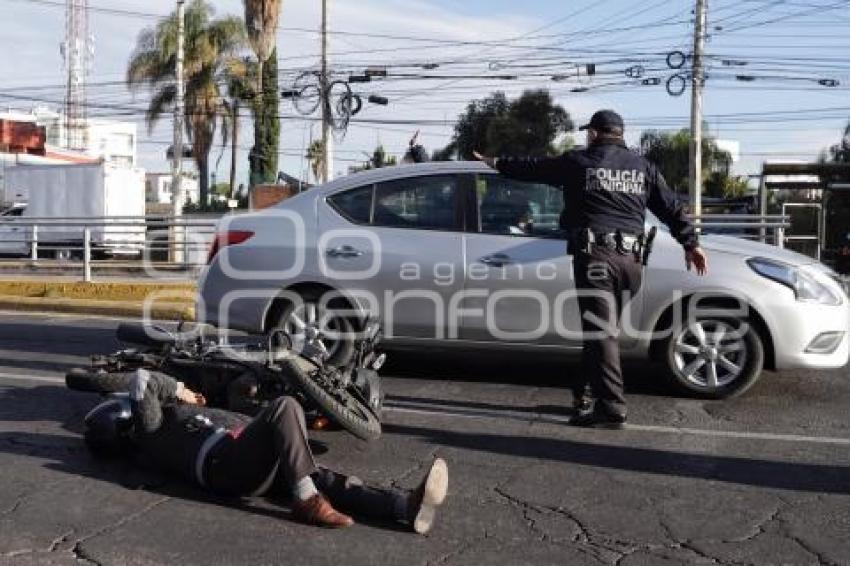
(158, 243)
(766, 228)
(153, 242)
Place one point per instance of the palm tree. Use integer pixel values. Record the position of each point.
(240, 76)
(261, 20)
(316, 157)
(209, 45)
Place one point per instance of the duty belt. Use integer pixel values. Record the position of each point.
(614, 240)
(638, 245)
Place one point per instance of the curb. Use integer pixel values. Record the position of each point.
(158, 310)
(137, 291)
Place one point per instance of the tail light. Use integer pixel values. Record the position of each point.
(224, 239)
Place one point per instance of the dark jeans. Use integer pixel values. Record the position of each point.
(271, 453)
(614, 278)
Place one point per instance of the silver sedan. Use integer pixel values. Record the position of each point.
(453, 255)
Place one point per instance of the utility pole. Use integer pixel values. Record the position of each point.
(327, 114)
(77, 52)
(177, 157)
(695, 169)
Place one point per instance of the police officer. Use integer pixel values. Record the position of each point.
(607, 189)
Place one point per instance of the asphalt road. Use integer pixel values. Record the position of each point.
(764, 479)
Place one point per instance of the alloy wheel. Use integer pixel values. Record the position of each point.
(710, 354)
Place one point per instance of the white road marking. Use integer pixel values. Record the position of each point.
(36, 378)
(473, 413)
(65, 316)
(555, 419)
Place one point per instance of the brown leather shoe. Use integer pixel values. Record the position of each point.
(318, 511)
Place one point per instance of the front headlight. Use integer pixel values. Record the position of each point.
(805, 285)
(843, 282)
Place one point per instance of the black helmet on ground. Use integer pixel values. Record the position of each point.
(109, 427)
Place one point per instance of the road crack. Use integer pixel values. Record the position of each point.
(20, 500)
(76, 549)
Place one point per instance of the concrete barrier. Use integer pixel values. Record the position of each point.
(160, 300)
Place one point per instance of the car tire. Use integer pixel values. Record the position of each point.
(714, 358)
(341, 351)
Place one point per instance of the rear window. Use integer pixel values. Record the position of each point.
(424, 203)
(355, 205)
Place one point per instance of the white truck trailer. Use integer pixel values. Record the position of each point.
(98, 193)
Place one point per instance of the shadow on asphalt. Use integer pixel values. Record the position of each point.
(49, 339)
(744, 471)
(545, 370)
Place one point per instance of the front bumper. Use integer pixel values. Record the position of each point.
(796, 328)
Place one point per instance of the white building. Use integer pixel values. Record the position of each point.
(114, 142)
(158, 188)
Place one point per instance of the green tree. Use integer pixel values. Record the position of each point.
(528, 125)
(670, 151)
(837, 205)
(316, 158)
(264, 154)
(209, 44)
(379, 159)
(719, 184)
(840, 152)
(261, 21)
(241, 82)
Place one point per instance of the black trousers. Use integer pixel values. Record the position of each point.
(272, 453)
(609, 279)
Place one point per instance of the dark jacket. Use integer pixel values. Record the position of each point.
(607, 187)
(174, 436)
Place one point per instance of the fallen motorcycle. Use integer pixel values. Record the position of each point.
(244, 377)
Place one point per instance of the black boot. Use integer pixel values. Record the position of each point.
(582, 402)
(599, 419)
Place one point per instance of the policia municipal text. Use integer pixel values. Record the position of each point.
(607, 189)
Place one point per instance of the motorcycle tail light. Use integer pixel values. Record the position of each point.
(224, 239)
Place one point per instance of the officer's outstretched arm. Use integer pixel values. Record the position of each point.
(549, 170)
(663, 203)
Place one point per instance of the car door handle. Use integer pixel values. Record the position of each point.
(496, 260)
(344, 251)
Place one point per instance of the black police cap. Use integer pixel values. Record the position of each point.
(605, 121)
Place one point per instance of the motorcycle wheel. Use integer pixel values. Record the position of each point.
(344, 408)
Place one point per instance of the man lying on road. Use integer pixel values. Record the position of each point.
(231, 454)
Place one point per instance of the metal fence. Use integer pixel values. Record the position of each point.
(154, 244)
(767, 228)
(162, 246)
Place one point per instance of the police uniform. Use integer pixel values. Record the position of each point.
(607, 189)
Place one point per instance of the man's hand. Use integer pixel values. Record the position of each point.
(189, 397)
(697, 258)
(488, 161)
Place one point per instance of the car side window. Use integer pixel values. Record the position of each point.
(424, 203)
(516, 208)
(355, 204)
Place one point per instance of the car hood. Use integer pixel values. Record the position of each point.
(740, 246)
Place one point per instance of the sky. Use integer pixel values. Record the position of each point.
(777, 109)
